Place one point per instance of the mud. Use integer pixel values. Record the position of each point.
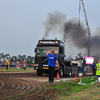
(26, 86)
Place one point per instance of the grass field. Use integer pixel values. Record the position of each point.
(74, 91)
(92, 93)
(15, 69)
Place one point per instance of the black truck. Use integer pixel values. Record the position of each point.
(41, 61)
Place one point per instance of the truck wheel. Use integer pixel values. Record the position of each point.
(61, 71)
(39, 72)
(70, 73)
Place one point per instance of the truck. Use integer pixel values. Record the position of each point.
(41, 61)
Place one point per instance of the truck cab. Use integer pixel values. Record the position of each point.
(41, 61)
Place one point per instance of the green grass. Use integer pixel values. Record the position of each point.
(66, 90)
(73, 87)
(4, 70)
(92, 93)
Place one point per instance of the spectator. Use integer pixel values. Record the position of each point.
(98, 71)
(52, 60)
(7, 64)
(93, 69)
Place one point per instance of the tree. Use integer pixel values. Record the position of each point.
(29, 59)
(7, 56)
(23, 58)
(33, 59)
(14, 58)
(1, 56)
(19, 58)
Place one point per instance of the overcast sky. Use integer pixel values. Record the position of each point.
(22, 22)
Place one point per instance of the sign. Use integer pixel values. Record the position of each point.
(89, 60)
(45, 68)
(48, 42)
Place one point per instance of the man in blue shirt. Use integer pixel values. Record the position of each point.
(52, 61)
(94, 69)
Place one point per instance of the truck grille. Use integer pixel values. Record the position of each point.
(41, 60)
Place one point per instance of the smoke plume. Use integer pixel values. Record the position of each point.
(54, 23)
(78, 35)
(70, 31)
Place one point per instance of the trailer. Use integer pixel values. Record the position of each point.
(41, 61)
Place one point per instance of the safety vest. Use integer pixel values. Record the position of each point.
(7, 62)
(98, 69)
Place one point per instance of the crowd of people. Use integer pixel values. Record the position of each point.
(17, 64)
(11, 63)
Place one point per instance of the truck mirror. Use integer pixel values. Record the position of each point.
(35, 50)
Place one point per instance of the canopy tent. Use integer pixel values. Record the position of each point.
(23, 61)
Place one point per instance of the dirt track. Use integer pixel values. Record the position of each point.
(25, 86)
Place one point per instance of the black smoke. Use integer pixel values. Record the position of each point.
(54, 23)
(77, 34)
(70, 31)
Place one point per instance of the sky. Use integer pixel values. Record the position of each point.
(22, 22)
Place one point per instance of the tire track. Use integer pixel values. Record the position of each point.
(14, 86)
(25, 86)
(39, 88)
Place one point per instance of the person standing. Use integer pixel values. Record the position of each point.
(52, 61)
(7, 64)
(98, 71)
(93, 69)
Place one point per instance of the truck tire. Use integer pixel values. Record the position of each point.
(39, 72)
(61, 71)
(70, 73)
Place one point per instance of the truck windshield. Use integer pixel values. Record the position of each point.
(43, 50)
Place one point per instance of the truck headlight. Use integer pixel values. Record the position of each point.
(37, 65)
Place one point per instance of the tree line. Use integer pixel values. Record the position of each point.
(28, 59)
